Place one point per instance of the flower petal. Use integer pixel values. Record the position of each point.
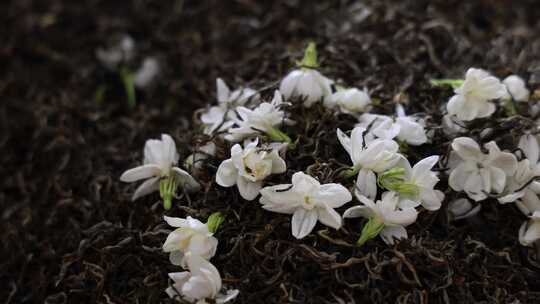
(148, 186)
(141, 172)
(332, 195)
(366, 183)
(329, 217)
(186, 181)
(248, 189)
(227, 174)
(359, 211)
(303, 222)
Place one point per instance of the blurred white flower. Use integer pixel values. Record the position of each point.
(385, 218)
(308, 201)
(516, 89)
(529, 232)
(159, 170)
(472, 99)
(120, 52)
(247, 168)
(462, 208)
(480, 174)
(146, 74)
(368, 159)
(191, 236)
(200, 283)
(349, 101)
(306, 82)
(220, 118)
(415, 184)
(262, 120)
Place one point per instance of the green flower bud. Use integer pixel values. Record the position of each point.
(310, 57)
(214, 221)
(371, 229)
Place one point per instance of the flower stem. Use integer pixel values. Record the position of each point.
(277, 135)
(454, 83)
(167, 190)
(129, 86)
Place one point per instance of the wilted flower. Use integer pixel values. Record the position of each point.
(462, 208)
(308, 201)
(415, 184)
(200, 283)
(385, 217)
(375, 157)
(247, 168)
(159, 171)
(516, 89)
(220, 118)
(191, 236)
(480, 174)
(472, 99)
(529, 232)
(350, 101)
(306, 82)
(262, 120)
(452, 126)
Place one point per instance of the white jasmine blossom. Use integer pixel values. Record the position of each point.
(308, 201)
(472, 99)
(191, 236)
(306, 82)
(480, 174)
(368, 159)
(415, 184)
(529, 232)
(220, 118)
(159, 171)
(516, 89)
(200, 283)
(247, 168)
(385, 218)
(462, 208)
(262, 120)
(350, 101)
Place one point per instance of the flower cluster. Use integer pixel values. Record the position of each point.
(391, 181)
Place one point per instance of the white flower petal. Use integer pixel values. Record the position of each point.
(248, 190)
(141, 172)
(329, 217)
(366, 183)
(186, 181)
(148, 186)
(227, 174)
(303, 222)
(332, 195)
